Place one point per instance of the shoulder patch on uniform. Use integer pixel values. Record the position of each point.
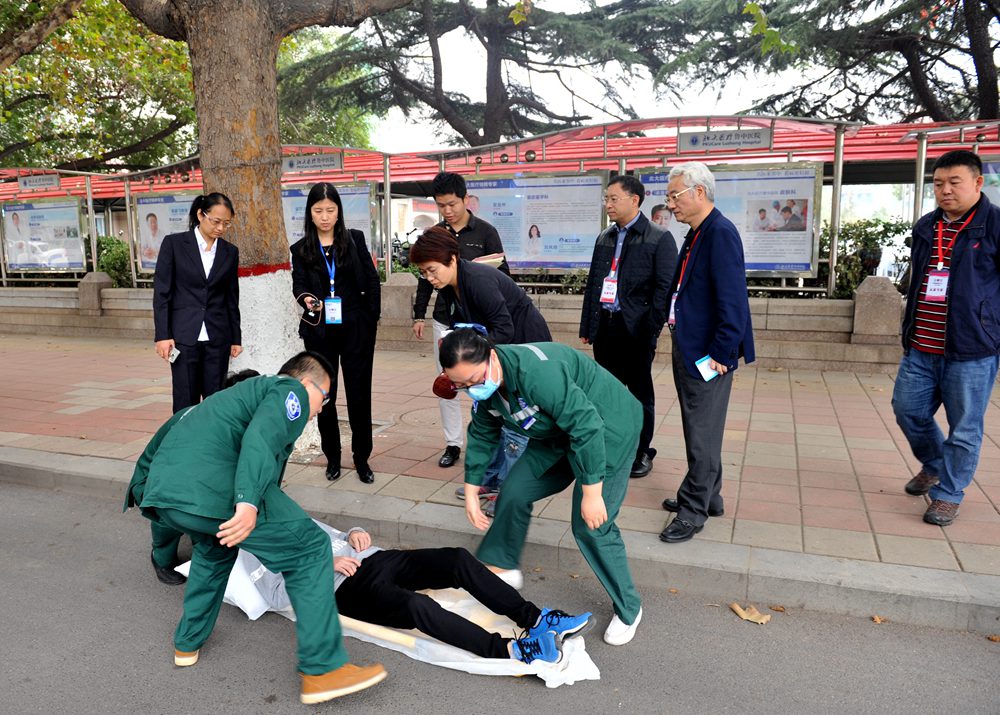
(293, 408)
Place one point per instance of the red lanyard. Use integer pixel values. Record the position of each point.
(952, 243)
(687, 258)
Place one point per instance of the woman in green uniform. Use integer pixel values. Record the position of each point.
(583, 427)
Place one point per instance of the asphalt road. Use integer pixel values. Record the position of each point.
(86, 628)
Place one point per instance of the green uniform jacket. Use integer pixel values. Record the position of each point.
(559, 397)
(231, 448)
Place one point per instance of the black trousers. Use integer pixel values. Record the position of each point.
(703, 418)
(349, 347)
(199, 371)
(630, 359)
(382, 591)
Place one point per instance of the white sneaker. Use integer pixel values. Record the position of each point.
(512, 577)
(619, 633)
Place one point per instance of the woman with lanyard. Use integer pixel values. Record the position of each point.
(335, 282)
(583, 428)
(476, 293)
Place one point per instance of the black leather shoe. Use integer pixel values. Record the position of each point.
(641, 466)
(672, 506)
(450, 456)
(333, 472)
(167, 575)
(365, 473)
(678, 531)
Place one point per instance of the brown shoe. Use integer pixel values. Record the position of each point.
(344, 680)
(182, 659)
(921, 484)
(941, 513)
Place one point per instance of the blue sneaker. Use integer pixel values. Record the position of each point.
(561, 623)
(544, 646)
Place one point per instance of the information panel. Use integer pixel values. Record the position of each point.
(774, 207)
(159, 215)
(546, 222)
(357, 199)
(991, 181)
(44, 236)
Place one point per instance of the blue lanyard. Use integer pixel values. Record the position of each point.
(331, 267)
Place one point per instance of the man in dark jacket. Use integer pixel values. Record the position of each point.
(709, 319)
(476, 238)
(625, 304)
(951, 334)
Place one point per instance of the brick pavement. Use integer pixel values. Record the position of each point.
(814, 462)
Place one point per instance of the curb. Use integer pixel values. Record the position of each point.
(727, 572)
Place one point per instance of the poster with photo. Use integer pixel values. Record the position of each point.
(358, 200)
(546, 222)
(991, 181)
(159, 215)
(43, 236)
(774, 208)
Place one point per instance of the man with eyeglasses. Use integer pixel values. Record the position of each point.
(476, 238)
(214, 472)
(709, 321)
(625, 303)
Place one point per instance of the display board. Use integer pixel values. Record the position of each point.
(991, 180)
(548, 222)
(358, 201)
(159, 215)
(775, 208)
(44, 236)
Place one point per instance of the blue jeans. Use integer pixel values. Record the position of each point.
(512, 446)
(924, 383)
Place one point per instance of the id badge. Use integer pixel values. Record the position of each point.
(672, 318)
(937, 286)
(610, 290)
(333, 310)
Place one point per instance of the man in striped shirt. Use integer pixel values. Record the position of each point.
(951, 334)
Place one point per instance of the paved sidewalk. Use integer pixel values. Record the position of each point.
(814, 463)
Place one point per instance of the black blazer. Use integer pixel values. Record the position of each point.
(494, 300)
(357, 285)
(183, 297)
(648, 260)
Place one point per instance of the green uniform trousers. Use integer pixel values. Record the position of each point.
(165, 543)
(299, 550)
(541, 472)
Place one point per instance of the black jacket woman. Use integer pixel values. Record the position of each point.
(196, 301)
(335, 282)
(477, 293)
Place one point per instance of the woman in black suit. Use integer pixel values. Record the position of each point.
(335, 282)
(196, 301)
(477, 293)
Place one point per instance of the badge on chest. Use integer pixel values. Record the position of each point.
(609, 291)
(937, 286)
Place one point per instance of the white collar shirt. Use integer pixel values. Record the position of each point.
(207, 256)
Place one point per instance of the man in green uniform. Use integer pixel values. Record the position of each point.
(214, 473)
(583, 426)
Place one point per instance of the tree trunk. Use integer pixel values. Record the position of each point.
(496, 90)
(236, 99)
(977, 25)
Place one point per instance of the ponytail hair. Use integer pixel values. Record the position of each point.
(204, 204)
(465, 344)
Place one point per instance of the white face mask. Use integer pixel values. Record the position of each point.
(486, 390)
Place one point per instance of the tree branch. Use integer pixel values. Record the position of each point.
(89, 162)
(160, 16)
(17, 43)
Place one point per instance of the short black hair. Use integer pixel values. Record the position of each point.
(308, 363)
(448, 183)
(631, 184)
(236, 377)
(464, 345)
(960, 157)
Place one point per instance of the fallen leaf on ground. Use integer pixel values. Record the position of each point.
(713, 605)
(995, 638)
(777, 609)
(574, 575)
(879, 619)
(672, 590)
(750, 613)
(537, 569)
(775, 369)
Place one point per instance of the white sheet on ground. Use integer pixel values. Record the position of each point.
(255, 590)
